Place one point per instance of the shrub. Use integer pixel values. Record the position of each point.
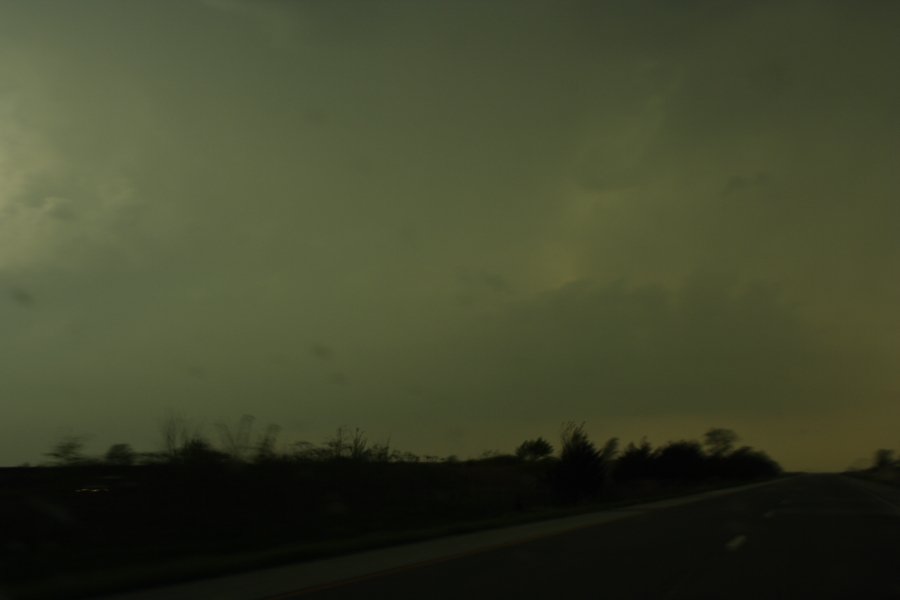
(681, 460)
(536, 449)
(582, 468)
(637, 462)
(747, 463)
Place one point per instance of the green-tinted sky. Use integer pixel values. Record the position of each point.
(457, 224)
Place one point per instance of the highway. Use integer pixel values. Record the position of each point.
(809, 536)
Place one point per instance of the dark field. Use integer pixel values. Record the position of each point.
(94, 521)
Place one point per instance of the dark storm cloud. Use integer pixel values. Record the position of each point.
(740, 183)
(477, 282)
(618, 350)
(445, 192)
(322, 351)
(196, 371)
(22, 297)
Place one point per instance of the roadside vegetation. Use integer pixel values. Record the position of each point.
(885, 468)
(241, 490)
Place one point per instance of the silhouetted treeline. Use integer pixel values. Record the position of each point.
(585, 471)
(579, 458)
(686, 460)
(580, 471)
(246, 491)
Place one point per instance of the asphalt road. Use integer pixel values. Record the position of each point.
(811, 536)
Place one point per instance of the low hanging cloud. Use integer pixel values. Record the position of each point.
(492, 211)
(22, 297)
(710, 347)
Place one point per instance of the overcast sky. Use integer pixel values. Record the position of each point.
(455, 224)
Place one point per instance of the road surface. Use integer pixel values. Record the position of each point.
(810, 536)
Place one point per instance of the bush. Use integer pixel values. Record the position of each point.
(536, 449)
(582, 468)
(747, 463)
(683, 460)
(637, 462)
(198, 451)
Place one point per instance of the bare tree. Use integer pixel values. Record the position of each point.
(236, 440)
(178, 434)
(381, 452)
(337, 445)
(347, 444)
(265, 445)
(169, 428)
(359, 445)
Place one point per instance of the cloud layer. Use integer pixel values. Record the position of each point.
(456, 224)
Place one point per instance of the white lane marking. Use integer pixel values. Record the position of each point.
(736, 543)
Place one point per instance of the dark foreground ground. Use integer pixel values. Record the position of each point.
(810, 536)
(90, 529)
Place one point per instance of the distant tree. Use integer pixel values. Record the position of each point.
(681, 460)
(265, 445)
(198, 451)
(404, 456)
(381, 452)
(235, 439)
(495, 457)
(883, 459)
(581, 470)
(346, 444)
(337, 446)
(489, 455)
(177, 433)
(153, 458)
(69, 451)
(610, 450)
(120, 454)
(747, 463)
(359, 445)
(536, 449)
(637, 462)
(720, 441)
(307, 451)
(183, 442)
(169, 430)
